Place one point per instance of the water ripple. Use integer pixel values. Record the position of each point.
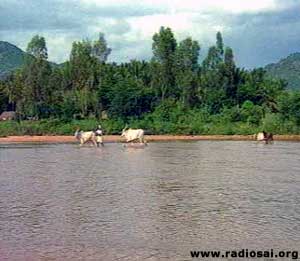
(59, 202)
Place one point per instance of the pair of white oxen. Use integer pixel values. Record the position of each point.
(138, 135)
(96, 137)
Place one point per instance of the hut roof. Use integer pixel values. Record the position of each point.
(7, 115)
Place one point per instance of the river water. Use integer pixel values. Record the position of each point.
(62, 202)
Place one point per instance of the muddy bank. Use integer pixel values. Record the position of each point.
(116, 138)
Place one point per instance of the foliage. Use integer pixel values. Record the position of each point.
(164, 46)
(37, 47)
(100, 50)
(172, 93)
(287, 69)
(11, 58)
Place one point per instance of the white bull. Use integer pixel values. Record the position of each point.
(260, 136)
(133, 134)
(85, 136)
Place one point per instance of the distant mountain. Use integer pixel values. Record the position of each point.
(11, 58)
(287, 69)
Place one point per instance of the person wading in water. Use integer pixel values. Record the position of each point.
(268, 137)
(99, 133)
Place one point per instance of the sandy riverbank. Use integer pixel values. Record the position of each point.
(116, 138)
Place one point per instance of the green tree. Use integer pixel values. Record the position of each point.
(230, 77)
(128, 97)
(219, 44)
(212, 59)
(229, 58)
(36, 92)
(186, 68)
(84, 72)
(260, 89)
(100, 50)
(213, 81)
(251, 113)
(164, 46)
(37, 47)
(80, 64)
(187, 54)
(29, 87)
(289, 106)
(215, 54)
(3, 97)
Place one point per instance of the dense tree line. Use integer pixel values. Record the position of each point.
(173, 92)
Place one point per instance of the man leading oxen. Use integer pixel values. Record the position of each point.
(99, 134)
(90, 136)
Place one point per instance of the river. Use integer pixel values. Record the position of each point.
(62, 202)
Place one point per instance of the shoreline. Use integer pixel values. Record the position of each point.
(148, 138)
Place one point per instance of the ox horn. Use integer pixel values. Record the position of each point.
(77, 132)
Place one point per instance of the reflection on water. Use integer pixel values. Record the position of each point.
(61, 202)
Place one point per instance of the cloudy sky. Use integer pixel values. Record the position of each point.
(259, 31)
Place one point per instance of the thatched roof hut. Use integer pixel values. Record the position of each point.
(7, 115)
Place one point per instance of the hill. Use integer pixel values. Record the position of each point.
(287, 69)
(11, 58)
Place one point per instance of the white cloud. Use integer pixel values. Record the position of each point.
(200, 19)
(129, 24)
(231, 6)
